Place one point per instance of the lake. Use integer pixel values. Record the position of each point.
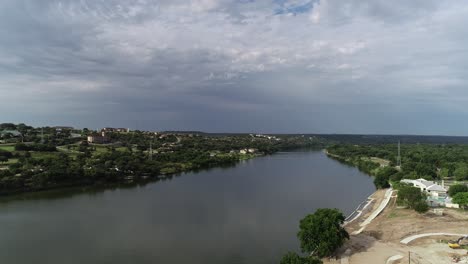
(244, 214)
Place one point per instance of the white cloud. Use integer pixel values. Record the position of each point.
(169, 48)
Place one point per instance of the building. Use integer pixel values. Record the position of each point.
(61, 128)
(450, 204)
(437, 194)
(429, 187)
(98, 139)
(118, 130)
(252, 150)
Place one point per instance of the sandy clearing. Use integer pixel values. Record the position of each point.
(408, 240)
(380, 240)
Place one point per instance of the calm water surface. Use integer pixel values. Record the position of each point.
(243, 214)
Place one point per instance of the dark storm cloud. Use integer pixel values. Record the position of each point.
(316, 66)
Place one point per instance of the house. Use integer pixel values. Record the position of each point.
(252, 150)
(98, 139)
(243, 151)
(429, 187)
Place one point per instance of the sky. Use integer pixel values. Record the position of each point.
(265, 66)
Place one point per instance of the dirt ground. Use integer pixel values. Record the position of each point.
(380, 240)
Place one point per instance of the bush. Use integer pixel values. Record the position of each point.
(293, 258)
(381, 181)
(35, 147)
(6, 154)
(461, 199)
(421, 207)
(397, 177)
(457, 188)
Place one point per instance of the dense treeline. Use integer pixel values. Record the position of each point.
(391, 139)
(417, 160)
(130, 157)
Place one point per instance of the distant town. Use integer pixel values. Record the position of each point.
(40, 158)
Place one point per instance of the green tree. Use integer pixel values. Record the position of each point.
(457, 188)
(321, 233)
(444, 173)
(411, 197)
(294, 258)
(461, 172)
(461, 199)
(397, 176)
(421, 207)
(381, 181)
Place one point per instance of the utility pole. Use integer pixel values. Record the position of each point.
(399, 155)
(42, 135)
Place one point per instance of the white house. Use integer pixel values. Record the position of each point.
(429, 187)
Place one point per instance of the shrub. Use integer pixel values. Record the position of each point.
(457, 188)
(421, 207)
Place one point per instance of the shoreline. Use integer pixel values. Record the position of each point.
(69, 189)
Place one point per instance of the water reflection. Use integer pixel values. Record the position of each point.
(243, 214)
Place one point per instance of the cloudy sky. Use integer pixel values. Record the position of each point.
(320, 66)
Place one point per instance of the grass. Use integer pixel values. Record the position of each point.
(8, 147)
(39, 155)
(396, 213)
(381, 162)
(9, 162)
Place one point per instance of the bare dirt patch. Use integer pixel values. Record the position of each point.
(381, 238)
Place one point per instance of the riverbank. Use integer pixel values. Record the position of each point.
(378, 231)
(382, 238)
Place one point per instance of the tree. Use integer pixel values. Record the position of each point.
(461, 199)
(412, 197)
(294, 258)
(444, 173)
(421, 207)
(322, 233)
(461, 172)
(3, 159)
(457, 188)
(381, 181)
(397, 176)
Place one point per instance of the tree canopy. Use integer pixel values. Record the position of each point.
(461, 199)
(412, 197)
(381, 181)
(321, 233)
(428, 161)
(457, 188)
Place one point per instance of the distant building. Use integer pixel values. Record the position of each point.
(437, 194)
(118, 130)
(252, 150)
(61, 128)
(98, 138)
